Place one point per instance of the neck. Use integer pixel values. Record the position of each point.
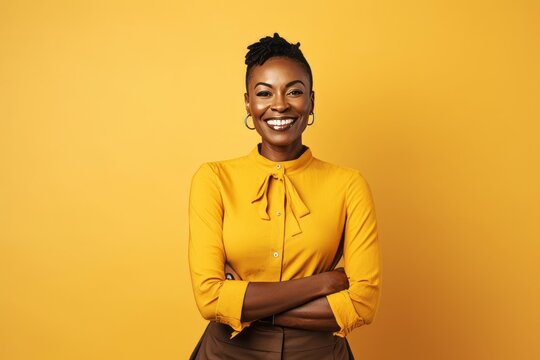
(282, 153)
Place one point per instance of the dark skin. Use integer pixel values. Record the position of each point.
(280, 88)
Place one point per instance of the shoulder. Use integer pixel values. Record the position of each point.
(350, 180)
(217, 168)
(344, 174)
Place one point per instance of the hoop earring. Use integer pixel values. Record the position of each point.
(312, 121)
(246, 122)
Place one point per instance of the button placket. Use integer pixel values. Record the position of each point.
(280, 216)
(280, 226)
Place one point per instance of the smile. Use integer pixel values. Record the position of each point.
(280, 124)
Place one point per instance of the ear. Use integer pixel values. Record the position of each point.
(312, 101)
(246, 101)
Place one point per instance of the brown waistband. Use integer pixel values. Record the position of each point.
(267, 337)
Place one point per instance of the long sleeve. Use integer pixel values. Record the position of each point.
(218, 299)
(358, 304)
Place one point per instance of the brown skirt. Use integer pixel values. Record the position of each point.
(268, 342)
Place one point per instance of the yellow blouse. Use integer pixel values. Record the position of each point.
(277, 221)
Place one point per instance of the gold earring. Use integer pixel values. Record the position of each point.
(313, 120)
(246, 122)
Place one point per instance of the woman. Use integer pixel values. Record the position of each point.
(268, 228)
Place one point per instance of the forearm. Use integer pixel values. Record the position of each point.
(263, 299)
(315, 315)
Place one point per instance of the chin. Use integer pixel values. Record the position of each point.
(281, 141)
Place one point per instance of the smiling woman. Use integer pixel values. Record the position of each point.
(280, 101)
(279, 95)
(267, 230)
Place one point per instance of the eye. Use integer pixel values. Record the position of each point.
(296, 92)
(264, 93)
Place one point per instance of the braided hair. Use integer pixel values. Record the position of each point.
(276, 46)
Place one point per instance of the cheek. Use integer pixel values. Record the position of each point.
(258, 108)
(303, 107)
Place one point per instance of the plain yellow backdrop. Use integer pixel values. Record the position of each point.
(108, 107)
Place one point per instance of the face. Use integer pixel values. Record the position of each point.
(279, 101)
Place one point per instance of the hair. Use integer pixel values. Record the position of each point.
(269, 47)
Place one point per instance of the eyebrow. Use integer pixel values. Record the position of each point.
(288, 84)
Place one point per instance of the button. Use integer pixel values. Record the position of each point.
(278, 166)
(278, 213)
(276, 254)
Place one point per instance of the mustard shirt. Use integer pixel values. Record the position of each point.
(277, 221)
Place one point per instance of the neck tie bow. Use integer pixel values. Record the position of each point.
(293, 201)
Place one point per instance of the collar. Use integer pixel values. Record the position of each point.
(279, 170)
(288, 166)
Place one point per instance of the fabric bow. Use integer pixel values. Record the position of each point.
(293, 200)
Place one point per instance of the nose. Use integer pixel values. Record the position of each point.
(280, 103)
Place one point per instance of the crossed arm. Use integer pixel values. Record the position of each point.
(299, 303)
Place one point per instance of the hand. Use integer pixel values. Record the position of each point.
(230, 270)
(336, 280)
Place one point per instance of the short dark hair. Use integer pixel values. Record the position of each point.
(276, 46)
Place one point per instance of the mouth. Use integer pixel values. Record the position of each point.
(280, 124)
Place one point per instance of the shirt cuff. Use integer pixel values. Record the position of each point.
(230, 303)
(344, 312)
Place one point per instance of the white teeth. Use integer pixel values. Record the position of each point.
(276, 122)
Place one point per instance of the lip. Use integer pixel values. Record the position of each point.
(280, 127)
(280, 118)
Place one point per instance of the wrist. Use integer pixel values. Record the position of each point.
(323, 284)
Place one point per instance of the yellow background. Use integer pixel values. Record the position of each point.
(108, 107)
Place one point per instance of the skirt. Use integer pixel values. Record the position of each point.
(268, 342)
